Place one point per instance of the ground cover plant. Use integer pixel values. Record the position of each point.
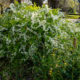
(38, 44)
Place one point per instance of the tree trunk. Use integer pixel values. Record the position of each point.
(38, 2)
(1, 8)
(79, 10)
(53, 3)
(64, 2)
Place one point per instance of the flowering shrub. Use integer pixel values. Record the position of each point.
(38, 44)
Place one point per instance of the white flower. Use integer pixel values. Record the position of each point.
(34, 15)
(12, 7)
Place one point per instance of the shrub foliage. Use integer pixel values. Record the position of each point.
(38, 44)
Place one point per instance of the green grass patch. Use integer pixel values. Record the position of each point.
(72, 16)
